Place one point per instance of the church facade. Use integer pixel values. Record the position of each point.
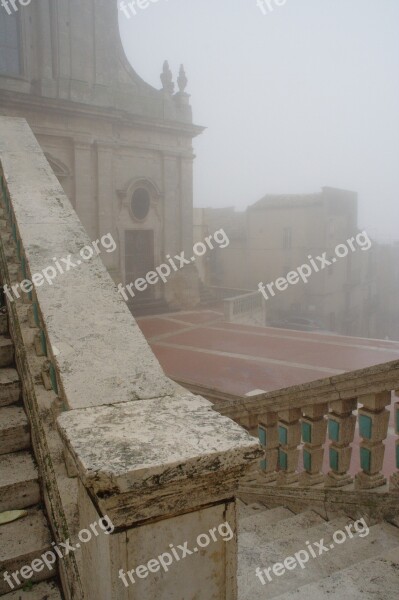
(121, 149)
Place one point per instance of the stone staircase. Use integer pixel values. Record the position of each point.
(362, 567)
(27, 538)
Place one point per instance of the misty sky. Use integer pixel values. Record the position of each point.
(299, 98)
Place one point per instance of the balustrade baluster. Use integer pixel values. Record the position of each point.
(269, 440)
(341, 431)
(289, 429)
(395, 476)
(373, 429)
(314, 429)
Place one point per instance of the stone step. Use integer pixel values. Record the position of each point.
(253, 545)
(247, 510)
(266, 530)
(13, 269)
(10, 387)
(373, 579)
(21, 542)
(9, 251)
(47, 590)
(19, 484)
(336, 557)
(6, 352)
(14, 430)
(3, 323)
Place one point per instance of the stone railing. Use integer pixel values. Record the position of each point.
(245, 309)
(308, 431)
(112, 435)
(221, 293)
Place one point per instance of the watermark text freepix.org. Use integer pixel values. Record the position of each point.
(51, 272)
(321, 262)
(268, 6)
(130, 8)
(14, 4)
(62, 549)
(166, 559)
(313, 550)
(174, 264)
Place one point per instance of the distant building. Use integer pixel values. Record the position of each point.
(276, 235)
(121, 149)
(387, 284)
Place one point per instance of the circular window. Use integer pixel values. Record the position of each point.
(140, 204)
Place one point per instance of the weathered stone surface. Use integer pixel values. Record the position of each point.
(209, 572)
(379, 378)
(3, 323)
(275, 524)
(46, 590)
(21, 542)
(19, 485)
(377, 504)
(10, 387)
(158, 447)
(83, 313)
(353, 551)
(248, 510)
(14, 430)
(6, 352)
(370, 580)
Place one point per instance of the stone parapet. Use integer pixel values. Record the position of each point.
(143, 460)
(148, 455)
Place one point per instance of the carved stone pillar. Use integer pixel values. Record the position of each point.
(341, 430)
(373, 428)
(314, 429)
(269, 440)
(159, 495)
(289, 431)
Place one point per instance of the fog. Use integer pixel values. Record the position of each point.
(301, 97)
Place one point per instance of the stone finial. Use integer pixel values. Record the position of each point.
(167, 78)
(182, 80)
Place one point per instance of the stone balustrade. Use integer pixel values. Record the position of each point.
(329, 443)
(395, 476)
(246, 308)
(305, 427)
(112, 435)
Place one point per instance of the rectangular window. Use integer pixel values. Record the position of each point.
(10, 63)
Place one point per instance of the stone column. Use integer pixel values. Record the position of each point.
(268, 438)
(373, 428)
(47, 82)
(85, 203)
(171, 207)
(395, 476)
(314, 429)
(186, 204)
(165, 473)
(289, 430)
(106, 200)
(341, 431)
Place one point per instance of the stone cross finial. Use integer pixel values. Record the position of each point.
(167, 78)
(182, 80)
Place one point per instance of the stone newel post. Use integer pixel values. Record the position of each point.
(165, 472)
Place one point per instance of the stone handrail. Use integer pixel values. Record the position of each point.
(245, 308)
(221, 293)
(300, 424)
(113, 436)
